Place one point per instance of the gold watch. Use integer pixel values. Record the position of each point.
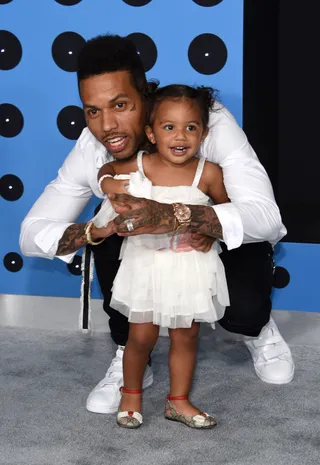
(182, 215)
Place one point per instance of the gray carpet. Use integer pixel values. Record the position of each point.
(46, 377)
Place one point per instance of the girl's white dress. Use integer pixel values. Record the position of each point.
(160, 279)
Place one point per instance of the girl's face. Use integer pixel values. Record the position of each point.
(177, 130)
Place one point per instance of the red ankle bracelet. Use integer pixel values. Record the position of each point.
(169, 397)
(130, 391)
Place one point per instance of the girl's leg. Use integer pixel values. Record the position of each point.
(182, 359)
(141, 341)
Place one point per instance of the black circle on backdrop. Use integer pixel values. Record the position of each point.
(10, 50)
(281, 277)
(207, 2)
(75, 266)
(207, 53)
(4, 2)
(68, 2)
(11, 120)
(137, 2)
(11, 187)
(71, 122)
(13, 262)
(146, 48)
(65, 50)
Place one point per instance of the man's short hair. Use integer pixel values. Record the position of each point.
(109, 53)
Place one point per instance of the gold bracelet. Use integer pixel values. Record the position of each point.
(176, 225)
(87, 232)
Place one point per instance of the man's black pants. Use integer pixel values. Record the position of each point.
(249, 272)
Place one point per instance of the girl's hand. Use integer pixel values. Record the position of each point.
(201, 242)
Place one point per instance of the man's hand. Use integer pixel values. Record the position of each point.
(201, 242)
(147, 216)
(100, 233)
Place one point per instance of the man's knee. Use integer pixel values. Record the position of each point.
(247, 316)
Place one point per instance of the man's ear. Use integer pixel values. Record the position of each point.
(150, 134)
(205, 133)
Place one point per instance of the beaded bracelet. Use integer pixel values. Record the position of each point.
(100, 182)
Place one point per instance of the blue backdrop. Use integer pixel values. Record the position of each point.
(40, 89)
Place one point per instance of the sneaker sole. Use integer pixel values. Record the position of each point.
(271, 381)
(98, 408)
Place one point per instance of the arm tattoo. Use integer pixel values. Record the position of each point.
(156, 215)
(204, 220)
(161, 215)
(73, 239)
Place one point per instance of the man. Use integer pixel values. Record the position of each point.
(113, 90)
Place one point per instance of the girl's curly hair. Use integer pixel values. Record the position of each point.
(205, 97)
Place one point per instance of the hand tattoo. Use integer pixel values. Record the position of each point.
(204, 220)
(73, 239)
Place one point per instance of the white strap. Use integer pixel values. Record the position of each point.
(135, 415)
(199, 171)
(139, 161)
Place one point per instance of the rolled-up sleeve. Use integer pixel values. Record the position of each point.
(253, 215)
(56, 209)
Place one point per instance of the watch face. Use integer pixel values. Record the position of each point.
(183, 213)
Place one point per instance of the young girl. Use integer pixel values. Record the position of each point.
(162, 281)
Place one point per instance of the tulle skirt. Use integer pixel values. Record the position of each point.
(169, 289)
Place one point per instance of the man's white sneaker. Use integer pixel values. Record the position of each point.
(105, 397)
(271, 355)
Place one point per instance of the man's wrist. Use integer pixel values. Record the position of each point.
(73, 239)
(204, 220)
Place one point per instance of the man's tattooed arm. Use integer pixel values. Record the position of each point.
(73, 239)
(204, 220)
(150, 217)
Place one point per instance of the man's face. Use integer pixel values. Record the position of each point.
(114, 112)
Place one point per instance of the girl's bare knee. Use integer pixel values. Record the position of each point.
(184, 334)
(143, 336)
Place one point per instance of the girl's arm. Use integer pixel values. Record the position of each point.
(116, 186)
(213, 179)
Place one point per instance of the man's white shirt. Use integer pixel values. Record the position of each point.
(252, 215)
